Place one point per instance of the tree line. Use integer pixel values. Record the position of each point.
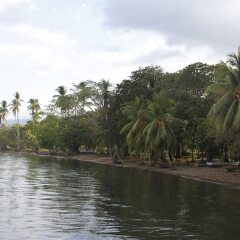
(153, 115)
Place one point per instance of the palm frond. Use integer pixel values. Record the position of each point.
(126, 128)
(229, 119)
(236, 122)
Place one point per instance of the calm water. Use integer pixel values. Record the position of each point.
(45, 198)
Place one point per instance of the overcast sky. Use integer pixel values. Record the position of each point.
(48, 43)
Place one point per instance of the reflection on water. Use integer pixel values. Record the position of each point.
(49, 198)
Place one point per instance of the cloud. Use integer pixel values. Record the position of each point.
(36, 47)
(62, 42)
(40, 35)
(213, 23)
(140, 48)
(39, 57)
(6, 4)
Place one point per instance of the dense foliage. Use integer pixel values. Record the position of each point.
(152, 115)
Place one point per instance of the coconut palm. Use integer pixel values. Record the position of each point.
(62, 100)
(15, 106)
(3, 111)
(1, 117)
(62, 91)
(104, 87)
(225, 113)
(159, 132)
(83, 93)
(136, 114)
(34, 108)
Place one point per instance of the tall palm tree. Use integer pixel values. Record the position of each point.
(104, 87)
(150, 130)
(34, 108)
(159, 132)
(1, 117)
(61, 99)
(136, 114)
(100, 98)
(3, 114)
(3, 111)
(15, 107)
(225, 113)
(82, 93)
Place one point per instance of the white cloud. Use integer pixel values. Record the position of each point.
(37, 47)
(39, 35)
(40, 57)
(137, 48)
(6, 4)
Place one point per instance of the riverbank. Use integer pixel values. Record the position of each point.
(217, 175)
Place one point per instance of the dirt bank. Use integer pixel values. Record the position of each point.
(215, 175)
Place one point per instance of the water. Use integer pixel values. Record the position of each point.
(49, 198)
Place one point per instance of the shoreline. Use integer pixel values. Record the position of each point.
(218, 175)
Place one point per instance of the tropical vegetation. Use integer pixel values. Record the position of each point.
(152, 115)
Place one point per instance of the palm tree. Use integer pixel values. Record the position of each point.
(159, 132)
(82, 93)
(15, 106)
(63, 101)
(34, 109)
(3, 114)
(34, 106)
(1, 118)
(104, 87)
(225, 113)
(136, 114)
(3, 111)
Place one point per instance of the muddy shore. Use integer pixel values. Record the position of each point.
(217, 175)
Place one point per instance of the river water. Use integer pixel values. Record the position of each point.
(48, 198)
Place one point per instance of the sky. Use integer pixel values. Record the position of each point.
(48, 43)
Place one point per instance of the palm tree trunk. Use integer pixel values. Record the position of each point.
(11, 128)
(202, 154)
(226, 159)
(33, 129)
(192, 155)
(177, 152)
(198, 153)
(170, 163)
(170, 157)
(33, 124)
(18, 133)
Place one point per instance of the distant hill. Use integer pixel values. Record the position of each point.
(21, 121)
